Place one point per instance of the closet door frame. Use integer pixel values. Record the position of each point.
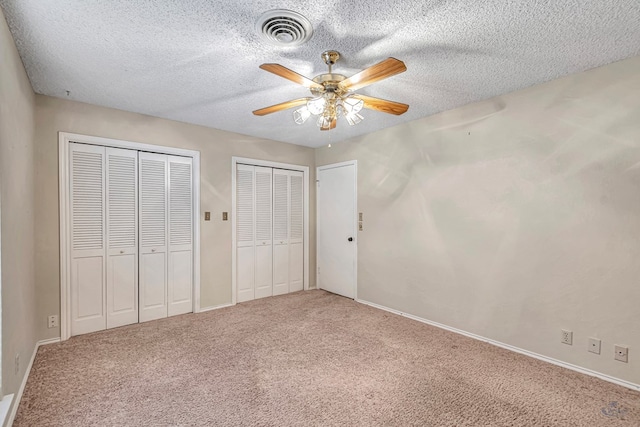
(305, 185)
(64, 139)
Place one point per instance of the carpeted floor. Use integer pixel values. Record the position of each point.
(308, 358)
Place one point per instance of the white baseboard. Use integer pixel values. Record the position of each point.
(576, 368)
(18, 395)
(215, 307)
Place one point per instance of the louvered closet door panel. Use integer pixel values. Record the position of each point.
(264, 243)
(153, 185)
(245, 232)
(122, 237)
(180, 268)
(280, 231)
(87, 199)
(296, 231)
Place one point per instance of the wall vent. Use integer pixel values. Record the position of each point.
(284, 27)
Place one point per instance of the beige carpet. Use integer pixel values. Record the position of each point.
(309, 358)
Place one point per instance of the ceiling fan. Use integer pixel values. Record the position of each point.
(333, 94)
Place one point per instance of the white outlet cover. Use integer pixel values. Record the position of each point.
(621, 353)
(566, 337)
(594, 345)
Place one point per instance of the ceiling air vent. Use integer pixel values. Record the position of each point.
(284, 27)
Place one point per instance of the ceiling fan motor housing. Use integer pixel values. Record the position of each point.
(330, 82)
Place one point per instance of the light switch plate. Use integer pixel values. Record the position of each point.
(225, 216)
(207, 216)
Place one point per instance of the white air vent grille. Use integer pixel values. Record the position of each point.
(284, 27)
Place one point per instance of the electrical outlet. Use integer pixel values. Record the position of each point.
(52, 321)
(622, 353)
(566, 337)
(17, 364)
(594, 345)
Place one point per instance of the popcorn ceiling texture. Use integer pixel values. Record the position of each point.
(197, 60)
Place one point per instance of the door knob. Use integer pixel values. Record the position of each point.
(121, 252)
(153, 250)
(350, 239)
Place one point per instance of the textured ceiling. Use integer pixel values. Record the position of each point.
(197, 61)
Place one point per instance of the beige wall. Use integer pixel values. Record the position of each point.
(512, 218)
(17, 209)
(216, 149)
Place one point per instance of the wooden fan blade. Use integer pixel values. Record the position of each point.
(383, 105)
(382, 70)
(288, 74)
(332, 124)
(281, 106)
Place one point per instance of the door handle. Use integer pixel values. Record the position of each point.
(153, 250)
(350, 239)
(121, 252)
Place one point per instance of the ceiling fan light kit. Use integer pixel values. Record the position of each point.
(333, 94)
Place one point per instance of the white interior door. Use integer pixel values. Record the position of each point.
(180, 254)
(88, 269)
(153, 236)
(122, 236)
(296, 231)
(336, 222)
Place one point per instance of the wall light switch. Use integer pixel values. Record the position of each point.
(360, 226)
(360, 216)
(225, 216)
(594, 345)
(207, 216)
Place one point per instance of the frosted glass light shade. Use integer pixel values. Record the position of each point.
(323, 122)
(353, 118)
(301, 115)
(316, 105)
(353, 105)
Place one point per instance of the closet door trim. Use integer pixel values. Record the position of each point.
(277, 165)
(64, 139)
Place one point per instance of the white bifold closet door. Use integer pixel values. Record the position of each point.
(103, 238)
(296, 231)
(287, 231)
(254, 243)
(269, 232)
(122, 237)
(166, 247)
